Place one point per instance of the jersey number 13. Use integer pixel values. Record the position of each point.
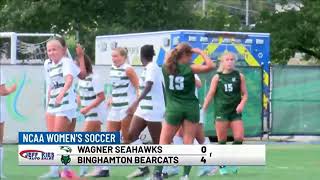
(176, 82)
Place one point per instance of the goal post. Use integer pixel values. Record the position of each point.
(24, 48)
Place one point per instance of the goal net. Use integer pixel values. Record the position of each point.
(23, 48)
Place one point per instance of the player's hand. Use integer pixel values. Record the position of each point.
(84, 110)
(12, 88)
(79, 50)
(132, 108)
(59, 99)
(196, 50)
(239, 108)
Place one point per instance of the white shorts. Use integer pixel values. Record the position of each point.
(117, 114)
(69, 114)
(101, 117)
(202, 116)
(150, 115)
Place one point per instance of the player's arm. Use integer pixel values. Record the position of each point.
(100, 97)
(244, 93)
(133, 79)
(212, 92)
(80, 55)
(68, 82)
(4, 91)
(206, 67)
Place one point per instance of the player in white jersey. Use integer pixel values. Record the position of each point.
(61, 74)
(4, 91)
(125, 88)
(79, 51)
(91, 100)
(149, 107)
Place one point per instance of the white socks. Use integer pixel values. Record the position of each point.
(54, 169)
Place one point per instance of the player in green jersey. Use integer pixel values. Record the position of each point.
(228, 87)
(182, 106)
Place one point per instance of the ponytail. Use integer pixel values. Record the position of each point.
(171, 62)
(172, 58)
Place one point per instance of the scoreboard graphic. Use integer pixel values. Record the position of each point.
(104, 148)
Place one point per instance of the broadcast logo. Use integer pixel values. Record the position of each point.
(66, 149)
(37, 155)
(65, 159)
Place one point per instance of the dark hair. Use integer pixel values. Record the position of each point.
(87, 63)
(172, 59)
(147, 52)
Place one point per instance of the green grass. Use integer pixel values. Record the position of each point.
(284, 162)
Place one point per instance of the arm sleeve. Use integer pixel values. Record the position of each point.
(2, 78)
(97, 84)
(69, 68)
(151, 74)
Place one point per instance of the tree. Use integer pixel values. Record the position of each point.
(293, 31)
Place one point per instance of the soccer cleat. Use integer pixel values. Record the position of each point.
(98, 173)
(185, 177)
(207, 170)
(170, 171)
(156, 176)
(141, 171)
(50, 175)
(223, 170)
(234, 169)
(68, 174)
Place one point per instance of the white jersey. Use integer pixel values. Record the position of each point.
(123, 92)
(88, 89)
(2, 98)
(56, 74)
(152, 107)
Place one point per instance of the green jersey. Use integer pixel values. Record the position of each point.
(180, 89)
(228, 93)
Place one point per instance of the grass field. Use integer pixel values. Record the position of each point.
(284, 162)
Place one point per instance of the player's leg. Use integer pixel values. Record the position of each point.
(90, 126)
(50, 121)
(201, 139)
(125, 125)
(1, 149)
(238, 136)
(189, 133)
(222, 126)
(73, 125)
(61, 124)
(169, 171)
(137, 125)
(170, 126)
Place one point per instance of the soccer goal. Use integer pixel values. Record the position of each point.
(23, 48)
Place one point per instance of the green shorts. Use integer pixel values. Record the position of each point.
(176, 118)
(229, 117)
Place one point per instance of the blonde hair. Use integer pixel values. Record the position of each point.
(222, 57)
(123, 51)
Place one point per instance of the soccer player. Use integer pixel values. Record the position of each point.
(169, 171)
(228, 87)
(91, 100)
(182, 106)
(125, 88)
(149, 106)
(61, 107)
(4, 91)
